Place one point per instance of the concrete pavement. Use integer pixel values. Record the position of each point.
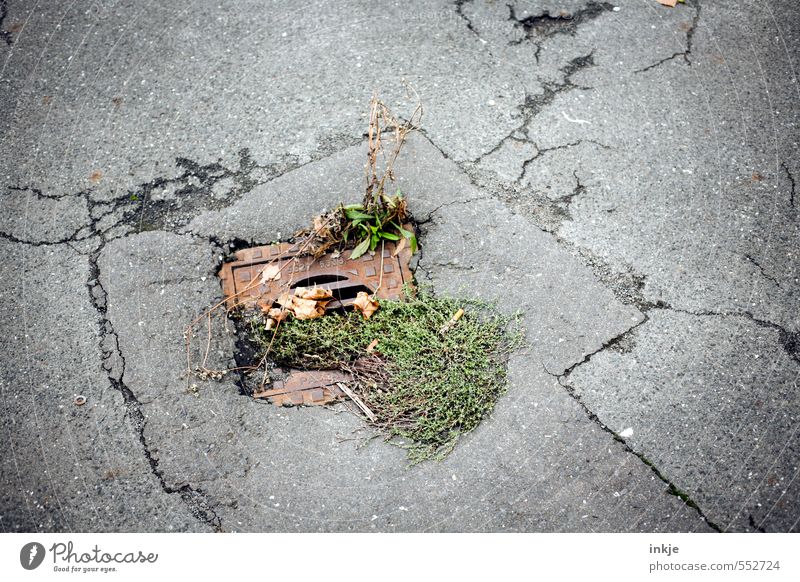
(625, 175)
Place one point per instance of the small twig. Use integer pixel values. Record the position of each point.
(380, 279)
(208, 345)
(381, 119)
(266, 353)
(358, 401)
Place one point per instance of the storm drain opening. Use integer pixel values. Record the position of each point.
(260, 275)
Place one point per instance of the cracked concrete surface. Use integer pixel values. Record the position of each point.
(622, 172)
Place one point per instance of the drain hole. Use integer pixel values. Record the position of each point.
(319, 280)
(345, 293)
(350, 292)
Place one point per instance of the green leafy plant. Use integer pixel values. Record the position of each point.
(383, 223)
(379, 217)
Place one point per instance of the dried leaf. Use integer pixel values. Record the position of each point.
(400, 246)
(308, 308)
(670, 3)
(315, 293)
(285, 300)
(278, 314)
(305, 304)
(271, 272)
(372, 345)
(322, 227)
(365, 305)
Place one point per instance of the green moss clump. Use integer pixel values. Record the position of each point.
(425, 387)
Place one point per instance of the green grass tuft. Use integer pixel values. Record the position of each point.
(426, 388)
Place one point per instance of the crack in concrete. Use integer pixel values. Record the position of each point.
(628, 288)
(459, 4)
(546, 24)
(789, 340)
(692, 30)
(62, 241)
(563, 380)
(76, 236)
(541, 152)
(453, 265)
(659, 63)
(577, 191)
(168, 204)
(192, 192)
(791, 181)
(761, 270)
(687, 52)
(607, 344)
(546, 213)
(532, 105)
(542, 212)
(114, 365)
(429, 218)
(41, 195)
(672, 489)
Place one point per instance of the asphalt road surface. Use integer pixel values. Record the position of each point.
(623, 172)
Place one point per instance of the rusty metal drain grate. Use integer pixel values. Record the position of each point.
(306, 387)
(385, 275)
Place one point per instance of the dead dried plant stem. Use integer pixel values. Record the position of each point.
(360, 403)
(380, 279)
(380, 118)
(208, 345)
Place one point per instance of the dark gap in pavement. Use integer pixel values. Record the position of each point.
(792, 191)
(563, 380)
(545, 24)
(686, 53)
(114, 366)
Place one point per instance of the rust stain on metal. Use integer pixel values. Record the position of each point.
(244, 283)
(306, 387)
